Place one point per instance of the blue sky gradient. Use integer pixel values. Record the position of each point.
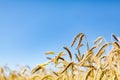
(30, 28)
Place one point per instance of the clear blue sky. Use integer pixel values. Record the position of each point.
(28, 28)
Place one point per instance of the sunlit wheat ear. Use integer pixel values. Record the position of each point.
(57, 57)
(87, 56)
(92, 48)
(75, 38)
(99, 53)
(66, 67)
(82, 57)
(87, 75)
(98, 44)
(37, 68)
(115, 44)
(50, 52)
(45, 64)
(101, 75)
(70, 55)
(61, 58)
(87, 45)
(77, 57)
(90, 51)
(113, 35)
(98, 39)
(79, 53)
(80, 40)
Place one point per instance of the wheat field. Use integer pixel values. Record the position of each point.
(99, 62)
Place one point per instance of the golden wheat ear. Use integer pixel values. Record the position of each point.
(75, 38)
(97, 39)
(49, 52)
(80, 40)
(69, 52)
(113, 35)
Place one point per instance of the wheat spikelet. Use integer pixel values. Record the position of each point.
(70, 55)
(113, 35)
(98, 39)
(50, 52)
(100, 51)
(75, 38)
(79, 42)
(67, 67)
